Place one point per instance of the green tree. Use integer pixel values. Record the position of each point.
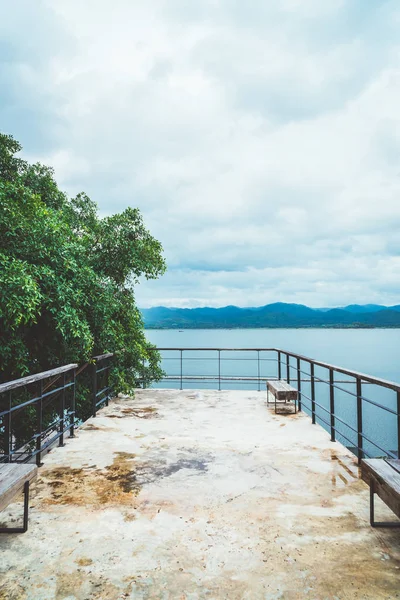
(67, 277)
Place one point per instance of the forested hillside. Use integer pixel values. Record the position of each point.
(272, 315)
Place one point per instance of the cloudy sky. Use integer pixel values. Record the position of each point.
(259, 138)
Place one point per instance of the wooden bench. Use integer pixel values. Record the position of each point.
(383, 477)
(284, 395)
(15, 478)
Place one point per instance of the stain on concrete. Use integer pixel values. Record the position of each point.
(91, 427)
(116, 484)
(144, 412)
(12, 591)
(170, 469)
(84, 562)
(129, 517)
(77, 585)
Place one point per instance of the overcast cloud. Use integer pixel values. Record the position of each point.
(260, 139)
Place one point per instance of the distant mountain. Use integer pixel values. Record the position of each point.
(274, 315)
(364, 308)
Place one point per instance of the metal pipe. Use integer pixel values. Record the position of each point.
(8, 430)
(61, 413)
(359, 420)
(181, 369)
(94, 388)
(332, 404)
(73, 406)
(312, 376)
(299, 383)
(219, 370)
(108, 380)
(398, 425)
(39, 424)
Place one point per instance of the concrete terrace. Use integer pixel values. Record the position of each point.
(199, 494)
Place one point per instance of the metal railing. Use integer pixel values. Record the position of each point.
(359, 410)
(35, 412)
(102, 391)
(368, 423)
(38, 411)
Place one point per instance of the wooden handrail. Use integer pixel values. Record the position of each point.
(16, 383)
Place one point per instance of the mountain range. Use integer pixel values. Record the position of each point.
(275, 315)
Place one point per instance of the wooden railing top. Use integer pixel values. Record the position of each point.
(103, 356)
(16, 383)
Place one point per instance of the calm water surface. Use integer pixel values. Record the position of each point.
(371, 351)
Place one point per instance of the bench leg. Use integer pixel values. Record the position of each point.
(26, 510)
(372, 510)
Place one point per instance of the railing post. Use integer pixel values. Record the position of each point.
(181, 369)
(287, 368)
(94, 388)
(359, 420)
(279, 366)
(312, 374)
(299, 383)
(61, 414)
(7, 431)
(73, 406)
(219, 370)
(332, 405)
(39, 425)
(258, 370)
(108, 380)
(143, 373)
(398, 425)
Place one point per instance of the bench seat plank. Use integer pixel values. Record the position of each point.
(394, 462)
(12, 480)
(386, 481)
(282, 390)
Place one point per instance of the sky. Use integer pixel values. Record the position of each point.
(260, 139)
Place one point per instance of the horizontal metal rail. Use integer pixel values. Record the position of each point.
(210, 378)
(234, 378)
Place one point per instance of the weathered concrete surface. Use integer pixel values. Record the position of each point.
(191, 495)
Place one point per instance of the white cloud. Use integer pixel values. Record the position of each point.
(260, 140)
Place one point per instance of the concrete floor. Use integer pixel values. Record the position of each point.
(199, 494)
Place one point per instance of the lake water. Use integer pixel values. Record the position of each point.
(369, 351)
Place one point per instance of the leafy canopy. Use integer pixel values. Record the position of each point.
(67, 276)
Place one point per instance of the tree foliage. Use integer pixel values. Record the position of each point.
(67, 276)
